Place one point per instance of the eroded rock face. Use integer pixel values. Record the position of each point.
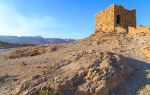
(94, 73)
(146, 51)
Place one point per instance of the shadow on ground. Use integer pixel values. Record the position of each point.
(138, 80)
(5, 79)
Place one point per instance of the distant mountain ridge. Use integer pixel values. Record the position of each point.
(33, 40)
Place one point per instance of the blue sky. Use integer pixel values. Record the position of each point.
(60, 18)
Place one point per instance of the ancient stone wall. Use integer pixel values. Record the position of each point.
(139, 30)
(127, 17)
(115, 16)
(105, 19)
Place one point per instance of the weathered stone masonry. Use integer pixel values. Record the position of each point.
(115, 16)
(105, 19)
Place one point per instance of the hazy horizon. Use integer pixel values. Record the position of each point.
(34, 36)
(59, 18)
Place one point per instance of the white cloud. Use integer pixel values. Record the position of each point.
(12, 22)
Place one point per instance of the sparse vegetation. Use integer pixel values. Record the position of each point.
(45, 92)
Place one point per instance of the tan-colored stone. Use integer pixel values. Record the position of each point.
(107, 19)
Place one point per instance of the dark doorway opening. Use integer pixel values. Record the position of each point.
(118, 19)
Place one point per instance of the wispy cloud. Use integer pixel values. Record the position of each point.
(13, 22)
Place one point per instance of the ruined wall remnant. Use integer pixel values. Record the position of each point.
(115, 16)
(127, 17)
(139, 30)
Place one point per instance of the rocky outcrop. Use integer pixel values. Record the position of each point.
(146, 51)
(92, 73)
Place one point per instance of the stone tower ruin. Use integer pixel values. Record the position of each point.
(114, 17)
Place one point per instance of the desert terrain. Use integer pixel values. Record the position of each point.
(105, 63)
